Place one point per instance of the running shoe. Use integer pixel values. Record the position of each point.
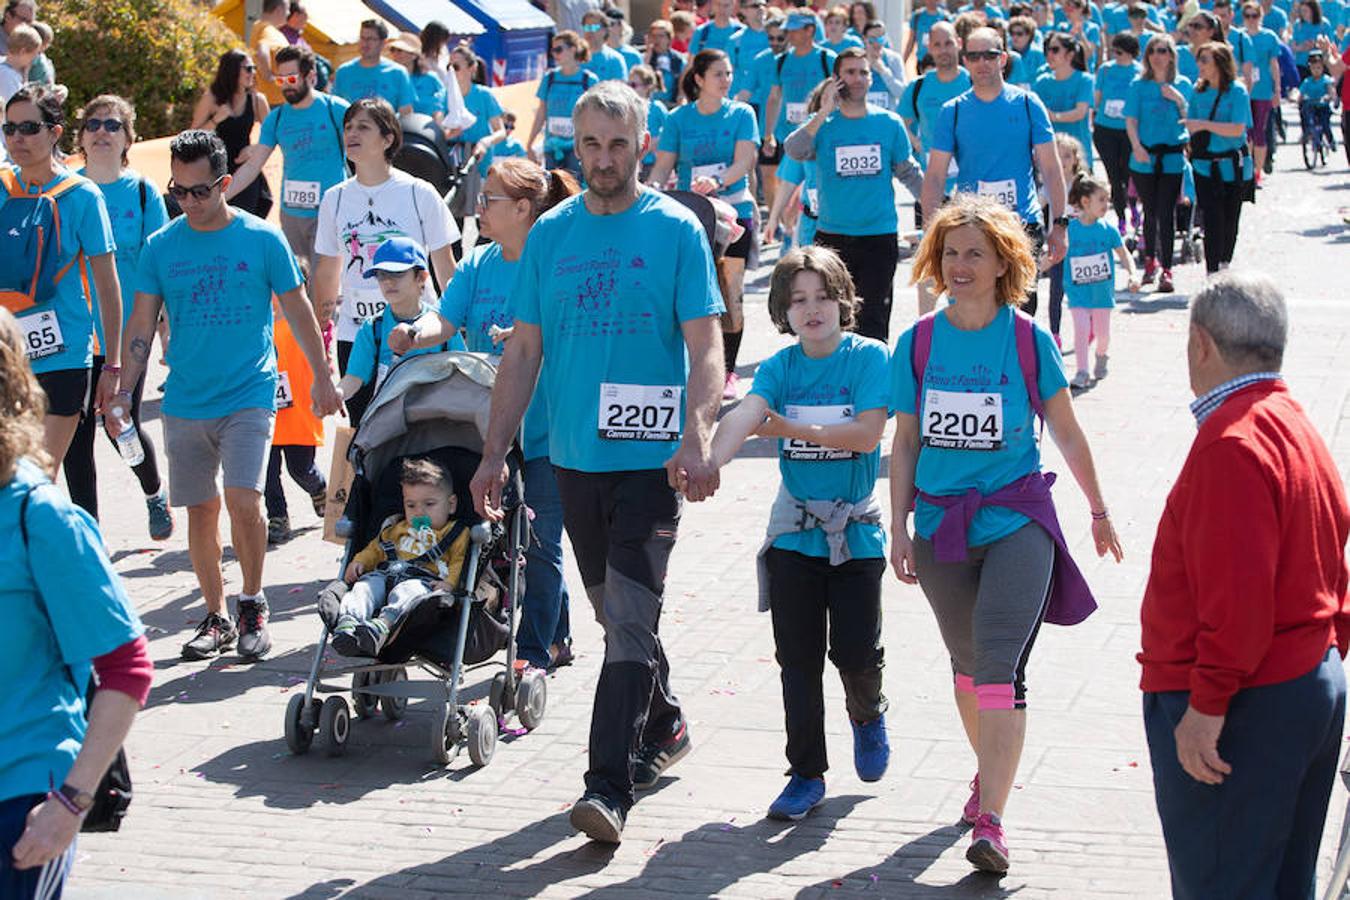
(278, 530)
(1081, 382)
(344, 636)
(214, 636)
(971, 813)
(560, 655)
(653, 759)
(1165, 282)
(161, 518)
(1150, 270)
(254, 641)
(1099, 371)
(988, 850)
(797, 799)
(871, 749)
(320, 500)
(731, 388)
(595, 817)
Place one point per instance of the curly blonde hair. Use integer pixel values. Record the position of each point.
(1003, 229)
(22, 403)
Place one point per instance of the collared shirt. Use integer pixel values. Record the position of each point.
(1206, 403)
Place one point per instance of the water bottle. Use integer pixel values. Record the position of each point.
(128, 439)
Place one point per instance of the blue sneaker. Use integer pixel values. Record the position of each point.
(871, 749)
(161, 518)
(799, 797)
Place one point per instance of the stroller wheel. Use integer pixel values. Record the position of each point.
(497, 698)
(335, 724)
(444, 734)
(532, 699)
(394, 707)
(482, 728)
(362, 703)
(298, 736)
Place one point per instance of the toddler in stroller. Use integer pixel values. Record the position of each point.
(422, 552)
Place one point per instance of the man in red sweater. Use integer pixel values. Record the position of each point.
(1245, 617)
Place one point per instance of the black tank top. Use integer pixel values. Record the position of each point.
(237, 132)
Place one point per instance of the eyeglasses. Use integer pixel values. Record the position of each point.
(982, 55)
(112, 126)
(27, 129)
(592, 28)
(485, 198)
(1053, 48)
(1159, 51)
(198, 191)
(558, 48)
(289, 80)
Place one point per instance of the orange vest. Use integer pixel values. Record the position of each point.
(296, 425)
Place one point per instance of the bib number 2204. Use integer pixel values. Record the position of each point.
(639, 412)
(957, 420)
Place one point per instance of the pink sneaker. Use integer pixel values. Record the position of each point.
(731, 389)
(988, 852)
(971, 814)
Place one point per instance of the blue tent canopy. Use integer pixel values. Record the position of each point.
(413, 15)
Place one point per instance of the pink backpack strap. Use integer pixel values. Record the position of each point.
(919, 351)
(1027, 361)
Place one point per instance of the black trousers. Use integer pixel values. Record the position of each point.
(300, 464)
(622, 526)
(1159, 195)
(1036, 232)
(813, 602)
(1221, 205)
(1113, 148)
(871, 260)
(81, 475)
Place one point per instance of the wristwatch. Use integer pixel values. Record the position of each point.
(1061, 221)
(81, 800)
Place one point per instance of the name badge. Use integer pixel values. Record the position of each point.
(639, 412)
(561, 127)
(796, 113)
(1114, 109)
(283, 396)
(42, 334)
(300, 194)
(957, 420)
(805, 451)
(711, 170)
(1090, 269)
(857, 160)
(879, 98)
(1004, 191)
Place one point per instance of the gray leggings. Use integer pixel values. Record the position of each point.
(989, 609)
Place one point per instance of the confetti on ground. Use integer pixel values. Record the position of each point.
(295, 590)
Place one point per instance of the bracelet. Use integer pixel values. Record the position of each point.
(116, 370)
(1099, 516)
(66, 802)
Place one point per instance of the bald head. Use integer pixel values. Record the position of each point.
(942, 46)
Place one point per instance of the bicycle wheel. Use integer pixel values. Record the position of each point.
(1307, 142)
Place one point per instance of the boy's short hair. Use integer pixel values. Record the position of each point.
(25, 38)
(425, 471)
(811, 258)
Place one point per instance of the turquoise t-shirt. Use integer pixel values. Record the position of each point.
(743, 50)
(630, 54)
(313, 155)
(1090, 265)
(1033, 58)
(484, 104)
(1316, 90)
(477, 299)
(1062, 95)
(1003, 168)
(64, 606)
(762, 68)
(609, 294)
(796, 76)
(1307, 31)
(1113, 84)
(1160, 122)
(706, 145)
(855, 160)
(1277, 20)
(1186, 64)
(217, 289)
(607, 65)
(1259, 49)
(922, 22)
(429, 97)
(794, 171)
(843, 44)
(1232, 106)
(387, 79)
(983, 361)
(711, 36)
(830, 391)
(84, 228)
(132, 222)
(928, 107)
(369, 362)
(560, 93)
(656, 123)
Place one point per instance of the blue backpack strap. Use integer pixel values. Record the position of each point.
(1027, 360)
(919, 351)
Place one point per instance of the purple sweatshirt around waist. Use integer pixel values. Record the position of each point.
(1071, 599)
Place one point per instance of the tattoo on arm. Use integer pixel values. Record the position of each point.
(140, 349)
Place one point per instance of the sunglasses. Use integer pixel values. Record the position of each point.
(1159, 51)
(27, 129)
(1054, 48)
(558, 48)
(592, 28)
(982, 55)
(112, 126)
(1017, 32)
(289, 80)
(1251, 15)
(249, 68)
(198, 191)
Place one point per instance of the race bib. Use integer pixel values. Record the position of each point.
(639, 412)
(711, 170)
(1114, 109)
(663, 63)
(879, 98)
(1090, 269)
(957, 420)
(357, 306)
(796, 113)
(561, 127)
(805, 451)
(300, 194)
(1004, 192)
(284, 399)
(813, 200)
(42, 334)
(857, 160)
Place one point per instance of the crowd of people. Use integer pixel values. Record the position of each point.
(594, 287)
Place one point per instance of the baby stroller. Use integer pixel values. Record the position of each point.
(433, 406)
(426, 154)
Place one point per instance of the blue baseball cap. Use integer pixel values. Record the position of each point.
(800, 20)
(398, 254)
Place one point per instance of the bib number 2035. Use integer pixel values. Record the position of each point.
(639, 412)
(955, 420)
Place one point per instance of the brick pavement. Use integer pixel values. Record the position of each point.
(222, 809)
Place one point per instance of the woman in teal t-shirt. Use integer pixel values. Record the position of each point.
(1220, 114)
(486, 131)
(558, 92)
(1067, 88)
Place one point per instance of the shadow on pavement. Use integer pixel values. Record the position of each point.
(181, 615)
(1146, 305)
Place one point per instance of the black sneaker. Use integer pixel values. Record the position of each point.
(320, 501)
(278, 530)
(596, 818)
(653, 759)
(254, 641)
(214, 636)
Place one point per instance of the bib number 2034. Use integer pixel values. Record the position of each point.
(955, 420)
(639, 412)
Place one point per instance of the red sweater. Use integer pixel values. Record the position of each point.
(1248, 582)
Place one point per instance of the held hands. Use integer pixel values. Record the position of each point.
(693, 472)
(704, 185)
(46, 835)
(486, 488)
(1197, 738)
(1056, 244)
(354, 571)
(1105, 539)
(902, 555)
(325, 396)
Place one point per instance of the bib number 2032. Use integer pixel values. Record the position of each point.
(639, 412)
(955, 420)
(857, 160)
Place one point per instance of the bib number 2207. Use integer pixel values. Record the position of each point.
(639, 412)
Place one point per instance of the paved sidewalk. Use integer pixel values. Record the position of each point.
(222, 809)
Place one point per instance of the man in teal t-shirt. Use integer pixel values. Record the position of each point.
(214, 271)
(796, 73)
(617, 297)
(371, 75)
